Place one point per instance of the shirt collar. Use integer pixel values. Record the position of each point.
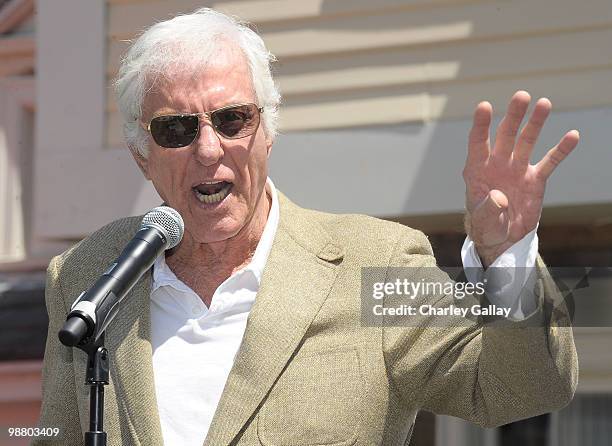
(260, 257)
(164, 276)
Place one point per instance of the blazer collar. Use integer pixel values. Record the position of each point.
(297, 278)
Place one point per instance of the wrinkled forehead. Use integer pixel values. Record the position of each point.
(221, 78)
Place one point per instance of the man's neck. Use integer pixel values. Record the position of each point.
(204, 266)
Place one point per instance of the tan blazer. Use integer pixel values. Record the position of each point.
(308, 372)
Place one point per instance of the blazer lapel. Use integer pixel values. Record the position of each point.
(297, 278)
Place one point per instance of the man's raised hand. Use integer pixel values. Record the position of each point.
(504, 193)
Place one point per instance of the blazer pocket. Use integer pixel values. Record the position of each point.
(314, 402)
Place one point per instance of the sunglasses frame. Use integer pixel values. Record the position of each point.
(208, 115)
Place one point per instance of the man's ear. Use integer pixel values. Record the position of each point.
(141, 161)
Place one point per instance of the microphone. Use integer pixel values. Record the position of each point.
(162, 228)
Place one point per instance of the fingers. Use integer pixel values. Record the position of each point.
(531, 131)
(509, 126)
(553, 158)
(478, 143)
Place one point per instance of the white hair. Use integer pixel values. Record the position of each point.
(189, 41)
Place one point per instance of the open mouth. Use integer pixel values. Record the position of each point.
(211, 192)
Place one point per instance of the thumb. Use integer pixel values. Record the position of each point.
(489, 220)
(493, 204)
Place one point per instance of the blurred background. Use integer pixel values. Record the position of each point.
(378, 97)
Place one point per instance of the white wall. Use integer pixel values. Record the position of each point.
(416, 169)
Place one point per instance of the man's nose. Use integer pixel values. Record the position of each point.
(207, 147)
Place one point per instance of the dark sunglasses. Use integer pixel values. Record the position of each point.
(179, 130)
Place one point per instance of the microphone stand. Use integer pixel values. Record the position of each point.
(97, 377)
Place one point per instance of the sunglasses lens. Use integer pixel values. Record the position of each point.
(175, 130)
(236, 122)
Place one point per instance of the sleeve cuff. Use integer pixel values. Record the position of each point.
(510, 279)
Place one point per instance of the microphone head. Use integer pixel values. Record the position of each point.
(169, 221)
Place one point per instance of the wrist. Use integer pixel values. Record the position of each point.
(488, 254)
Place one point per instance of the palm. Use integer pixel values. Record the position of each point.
(504, 193)
(521, 187)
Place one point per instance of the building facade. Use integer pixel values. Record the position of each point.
(377, 104)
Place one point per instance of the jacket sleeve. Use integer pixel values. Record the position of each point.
(487, 374)
(59, 405)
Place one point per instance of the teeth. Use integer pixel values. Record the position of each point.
(211, 182)
(214, 198)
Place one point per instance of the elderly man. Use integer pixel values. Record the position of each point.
(249, 332)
